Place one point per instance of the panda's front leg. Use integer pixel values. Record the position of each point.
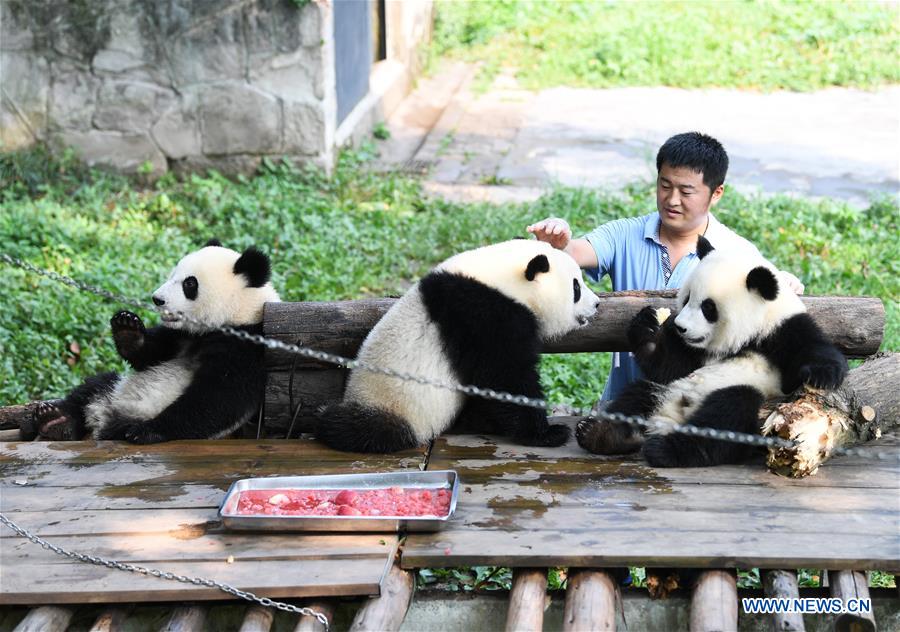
(142, 347)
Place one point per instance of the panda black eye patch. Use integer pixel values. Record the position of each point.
(577, 289)
(189, 286)
(709, 309)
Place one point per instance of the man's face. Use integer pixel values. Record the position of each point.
(682, 199)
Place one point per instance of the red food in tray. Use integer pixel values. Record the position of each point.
(383, 503)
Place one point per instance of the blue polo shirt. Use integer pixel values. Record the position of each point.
(629, 251)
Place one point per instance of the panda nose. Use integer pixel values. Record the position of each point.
(158, 301)
(681, 330)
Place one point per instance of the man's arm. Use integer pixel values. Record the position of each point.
(556, 232)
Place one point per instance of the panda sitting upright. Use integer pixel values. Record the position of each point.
(738, 340)
(189, 381)
(478, 318)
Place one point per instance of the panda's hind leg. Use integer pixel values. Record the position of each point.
(734, 408)
(601, 436)
(64, 419)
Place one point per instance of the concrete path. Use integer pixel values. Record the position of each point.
(511, 144)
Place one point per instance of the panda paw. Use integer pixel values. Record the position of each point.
(660, 451)
(644, 328)
(131, 431)
(825, 375)
(128, 333)
(48, 420)
(605, 437)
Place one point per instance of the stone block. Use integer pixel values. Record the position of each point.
(15, 29)
(26, 88)
(213, 50)
(226, 165)
(125, 50)
(236, 119)
(293, 76)
(73, 96)
(177, 133)
(272, 28)
(311, 22)
(304, 128)
(127, 153)
(131, 106)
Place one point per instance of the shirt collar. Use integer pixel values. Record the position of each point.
(651, 229)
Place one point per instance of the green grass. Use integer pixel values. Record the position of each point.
(352, 235)
(702, 43)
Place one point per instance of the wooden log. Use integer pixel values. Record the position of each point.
(847, 585)
(865, 407)
(10, 435)
(46, 619)
(257, 619)
(854, 324)
(12, 416)
(714, 604)
(185, 619)
(387, 611)
(309, 623)
(111, 619)
(783, 585)
(590, 601)
(527, 600)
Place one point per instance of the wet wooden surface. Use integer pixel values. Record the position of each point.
(522, 506)
(157, 506)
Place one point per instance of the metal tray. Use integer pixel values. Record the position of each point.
(446, 479)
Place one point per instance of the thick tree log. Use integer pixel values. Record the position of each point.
(783, 585)
(111, 619)
(527, 600)
(308, 623)
(854, 324)
(714, 605)
(257, 619)
(865, 407)
(846, 585)
(590, 601)
(46, 619)
(12, 416)
(185, 619)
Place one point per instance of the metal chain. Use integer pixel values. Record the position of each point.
(487, 393)
(143, 570)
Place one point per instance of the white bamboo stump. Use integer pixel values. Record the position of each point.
(257, 619)
(311, 624)
(846, 585)
(714, 605)
(527, 600)
(111, 619)
(590, 601)
(783, 585)
(186, 619)
(46, 619)
(386, 613)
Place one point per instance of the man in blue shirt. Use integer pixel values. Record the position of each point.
(657, 251)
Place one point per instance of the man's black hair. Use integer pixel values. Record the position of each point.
(702, 153)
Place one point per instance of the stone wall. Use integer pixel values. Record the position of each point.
(153, 85)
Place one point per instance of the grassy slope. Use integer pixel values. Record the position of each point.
(757, 45)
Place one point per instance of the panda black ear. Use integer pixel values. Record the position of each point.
(537, 265)
(763, 281)
(212, 242)
(703, 246)
(254, 265)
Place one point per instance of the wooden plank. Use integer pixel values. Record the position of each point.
(386, 612)
(714, 603)
(46, 619)
(849, 585)
(527, 600)
(590, 601)
(855, 324)
(781, 584)
(526, 507)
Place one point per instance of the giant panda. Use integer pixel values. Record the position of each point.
(739, 339)
(477, 318)
(189, 381)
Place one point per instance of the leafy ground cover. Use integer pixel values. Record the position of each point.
(351, 235)
(705, 43)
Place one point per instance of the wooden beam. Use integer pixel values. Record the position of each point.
(309, 623)
(590, 601)
(714, 605)
(111, 619)
(387, 611)
(847, 585)
(185, 619)
(257, 619)
(527, 600)
(783, 585)
(46, 619)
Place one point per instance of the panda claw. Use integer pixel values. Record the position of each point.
(50, 421)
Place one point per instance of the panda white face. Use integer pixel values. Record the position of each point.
(533, 273)
(216, 286)
(730, 301)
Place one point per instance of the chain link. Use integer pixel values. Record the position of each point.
(487, 393)
(143, 570)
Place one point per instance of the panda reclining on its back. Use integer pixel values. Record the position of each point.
(737, 341)
(478, 318)
(189, 382)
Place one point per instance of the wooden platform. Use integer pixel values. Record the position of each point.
(524, 507)
(564, 507)
(156, 506)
